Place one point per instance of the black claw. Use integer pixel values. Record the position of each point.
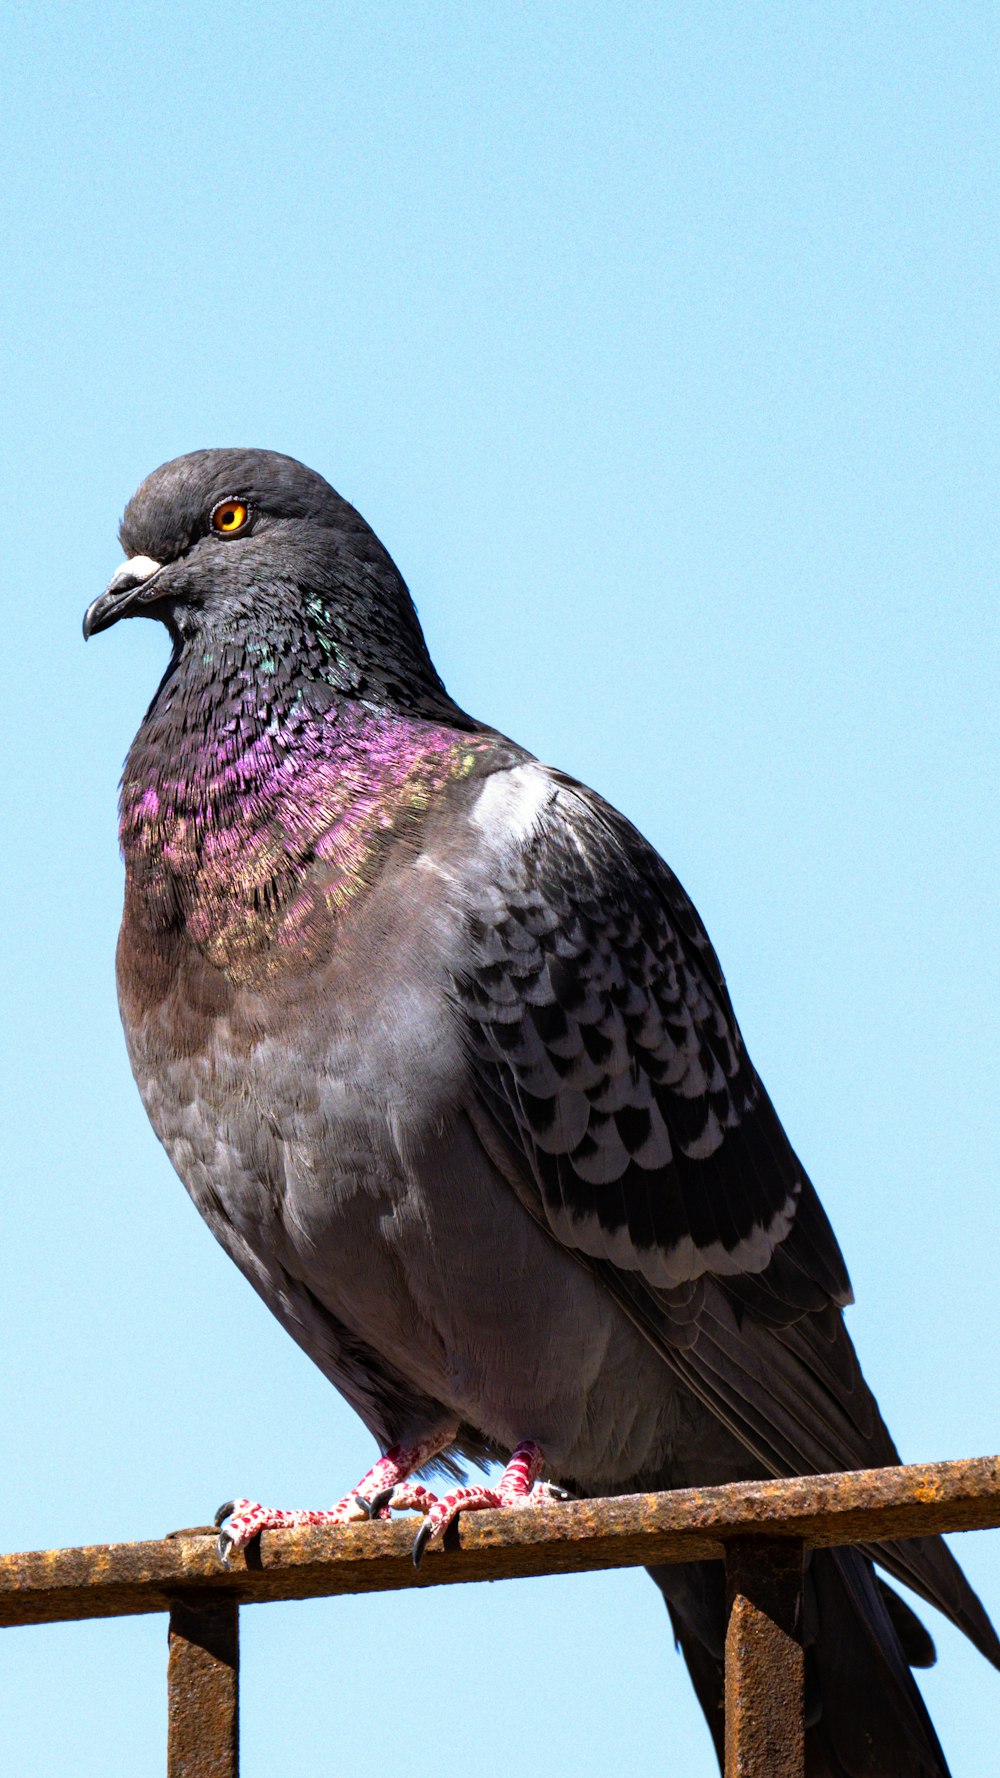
(378, 1501)
(366, 1506)
(223, 1546)
(420, 1542)
(223, 1512)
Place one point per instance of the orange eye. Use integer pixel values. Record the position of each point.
(230, 516)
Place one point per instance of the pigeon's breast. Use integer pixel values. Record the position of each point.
(254, 851)
(336, 1034)
(292, 1107)
(318, 1115)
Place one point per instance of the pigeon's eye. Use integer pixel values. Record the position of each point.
(230, 516)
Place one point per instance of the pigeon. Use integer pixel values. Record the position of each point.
(442, 1052)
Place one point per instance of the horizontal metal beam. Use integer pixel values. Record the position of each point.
(862, 1506)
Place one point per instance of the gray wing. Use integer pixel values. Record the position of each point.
(613, 1082)
(608, 1058)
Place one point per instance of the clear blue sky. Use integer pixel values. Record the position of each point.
(655, 342)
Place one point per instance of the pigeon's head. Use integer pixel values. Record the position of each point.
(223, 546)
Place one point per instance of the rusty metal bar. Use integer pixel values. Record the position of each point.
(862, 1506)
(203, 1675)
(765, 1731)
(693, 1524)
(761, 1529)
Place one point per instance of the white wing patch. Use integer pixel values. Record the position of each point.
(508, 808)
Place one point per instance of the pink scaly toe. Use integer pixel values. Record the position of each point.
(240, 1521)
(248, 1518)
(517, 1488)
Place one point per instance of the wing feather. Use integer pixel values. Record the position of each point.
(612, 1076)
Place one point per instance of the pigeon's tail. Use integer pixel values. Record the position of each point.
(865, 1717)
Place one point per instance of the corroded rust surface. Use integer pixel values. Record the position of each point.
(203, 1689)
(764, 1659)
(863, 1506)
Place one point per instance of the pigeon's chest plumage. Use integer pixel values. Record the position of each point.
(315, 1099)
(252, 842)
(294, 1102)
(280, 955)
(284, 983)
(290, 1107)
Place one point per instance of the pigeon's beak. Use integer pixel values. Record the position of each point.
(127, 588)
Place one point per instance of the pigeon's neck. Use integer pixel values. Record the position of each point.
(256, 803)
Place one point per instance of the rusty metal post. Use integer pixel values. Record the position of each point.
(203, 1688)
(764, 1658)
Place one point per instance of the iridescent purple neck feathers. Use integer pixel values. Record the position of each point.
(256, 807)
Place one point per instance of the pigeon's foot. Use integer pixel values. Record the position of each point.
(240, 1521)
(517, 1487)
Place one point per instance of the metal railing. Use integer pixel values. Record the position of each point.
(761, 1531)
